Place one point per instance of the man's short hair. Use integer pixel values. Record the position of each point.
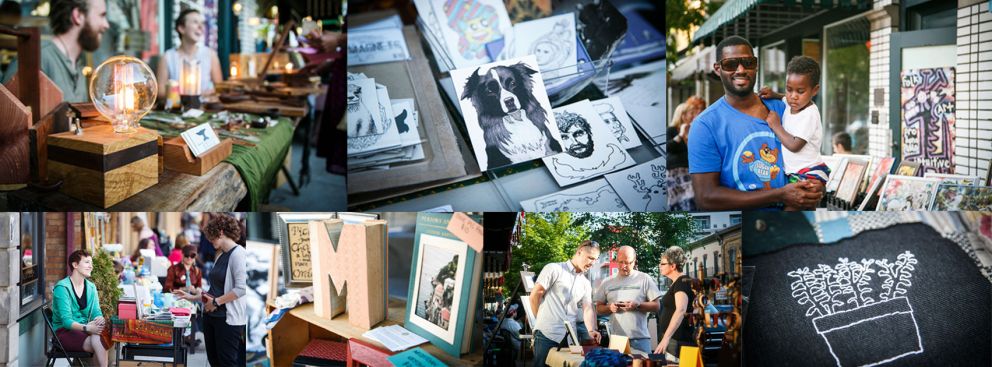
(731, 41)
(805, 65)
(60, 15)
(844, 139)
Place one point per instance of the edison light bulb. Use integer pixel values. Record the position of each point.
(123, 89)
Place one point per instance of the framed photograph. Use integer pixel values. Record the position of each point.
(907, 193)
(294, 237)
(848, 189)
(948, 178)
(444, 282)
(879, 173)
(528, 278)
(573, 336)
(531, 319)
(951, 196)
(908, 168)
(836, 175)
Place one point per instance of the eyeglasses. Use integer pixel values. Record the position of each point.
(191, 256)
(590, 243)
(663, 264)
(731, 63)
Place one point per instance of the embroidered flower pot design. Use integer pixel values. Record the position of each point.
(861, 325)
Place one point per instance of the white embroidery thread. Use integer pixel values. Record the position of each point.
(836, 295)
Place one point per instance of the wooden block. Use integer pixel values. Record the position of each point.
(355, 262)
(101, 167)
(179, 158)
(51, 95)
(264, 107)
(14, 141)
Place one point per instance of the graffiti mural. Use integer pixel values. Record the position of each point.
(928, 118)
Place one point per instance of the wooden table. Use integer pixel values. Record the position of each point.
(563, 358)
(220, 189)
(301, 324)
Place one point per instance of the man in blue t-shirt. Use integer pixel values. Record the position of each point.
(734, 158)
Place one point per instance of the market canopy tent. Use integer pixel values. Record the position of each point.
(753, 19)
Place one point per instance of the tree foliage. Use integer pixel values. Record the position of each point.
(681, 16)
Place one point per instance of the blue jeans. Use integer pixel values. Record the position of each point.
(642, 345)
(542, 346)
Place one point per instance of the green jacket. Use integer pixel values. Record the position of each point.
(65, 309)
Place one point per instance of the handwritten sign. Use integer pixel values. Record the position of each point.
(620, 344)
(299, 252)
(690, 357)
(415, 357)
(466, 229)
(376, 46)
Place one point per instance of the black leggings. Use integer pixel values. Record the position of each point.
(225, 343)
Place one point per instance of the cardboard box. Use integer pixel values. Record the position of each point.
(102, 167)
(179, 158)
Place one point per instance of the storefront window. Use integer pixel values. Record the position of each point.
(32, 252)
(772, 62)
(845, 83)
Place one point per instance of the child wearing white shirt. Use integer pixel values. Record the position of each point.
(800, 130)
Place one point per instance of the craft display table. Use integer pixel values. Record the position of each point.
(301, 324)
(140, 338)
(246, 175)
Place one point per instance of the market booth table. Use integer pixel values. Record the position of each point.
(301, 324)
(243, 177)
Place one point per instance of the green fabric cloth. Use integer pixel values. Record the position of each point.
(57, 67)
(258, 165)
(65, 309)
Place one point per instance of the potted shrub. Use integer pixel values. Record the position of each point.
(848, 311)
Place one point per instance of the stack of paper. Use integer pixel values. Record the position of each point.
(381, 131)
(394, 337)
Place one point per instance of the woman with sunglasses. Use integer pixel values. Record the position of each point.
(673, 321)
(186, 277)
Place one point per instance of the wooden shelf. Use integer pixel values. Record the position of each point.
(301, 324)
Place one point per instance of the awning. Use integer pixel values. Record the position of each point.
(700, 62)
(755, 18)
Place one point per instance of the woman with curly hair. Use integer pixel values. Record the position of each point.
(673, 320)
(224, 303)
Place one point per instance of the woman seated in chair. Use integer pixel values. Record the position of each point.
(76, 311)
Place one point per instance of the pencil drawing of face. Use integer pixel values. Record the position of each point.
(552, 49)
(513, 122)
(606, 112)
(362, 122)
(576, 134)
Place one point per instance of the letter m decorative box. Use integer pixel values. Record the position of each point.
(101, 167)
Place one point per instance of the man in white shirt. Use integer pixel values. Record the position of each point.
(559, 291)
(627, 297)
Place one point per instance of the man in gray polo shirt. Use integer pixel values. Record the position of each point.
(560, 290)
(627, 297)
(77, 26)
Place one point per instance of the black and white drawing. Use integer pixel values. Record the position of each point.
(507, 112)
(370, 125)
(612, 112)
(551, 40)
(590, 147)
(642, 187)
(848, 309)
(594, 196)
(440, 272)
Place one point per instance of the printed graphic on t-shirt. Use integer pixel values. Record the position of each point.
(762, 163)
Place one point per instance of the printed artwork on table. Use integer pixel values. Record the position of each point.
(848, 189)
(951, 196)
(642, 187)
(907, 193)
(552, 41)
(955, 179)
(853, 299)
(468, 25)
(590, 148)
(369, 121)
(612, 111)
(507, 112)
(928, 105)
(594, 196)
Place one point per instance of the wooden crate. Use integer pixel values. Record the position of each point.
(179, 158)
(101, 167)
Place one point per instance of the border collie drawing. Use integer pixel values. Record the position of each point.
(513, 122)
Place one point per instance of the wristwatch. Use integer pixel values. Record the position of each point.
(214, 301)
(84, 328)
